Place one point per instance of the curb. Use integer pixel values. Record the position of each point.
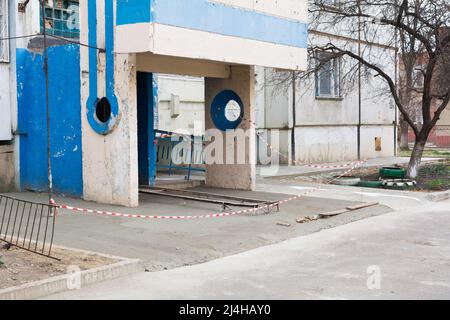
(438, 196)
(58, 284)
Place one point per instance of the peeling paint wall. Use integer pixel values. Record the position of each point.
(234, 176)
(5, 110)
(110, 160)
(65, 119)
(6, 168)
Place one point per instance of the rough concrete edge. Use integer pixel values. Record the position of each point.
(104, 255)
(46, 287)
(438, 196)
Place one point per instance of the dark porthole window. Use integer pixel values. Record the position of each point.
(103, 110)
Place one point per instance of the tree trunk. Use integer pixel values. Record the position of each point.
(404, 129)
(416, 156)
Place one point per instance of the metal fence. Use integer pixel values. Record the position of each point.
(439, 137)
(435, 177)
(27, 225)
(190, 157)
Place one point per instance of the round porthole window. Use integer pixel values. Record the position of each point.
(103, 110)
(103, 113)
(227, 110)
(232, 111)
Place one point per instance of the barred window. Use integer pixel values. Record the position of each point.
(62, 18)
(4, 32)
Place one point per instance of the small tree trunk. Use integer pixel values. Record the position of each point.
(416, 156)
(404, 128)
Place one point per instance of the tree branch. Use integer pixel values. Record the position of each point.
(330, 47)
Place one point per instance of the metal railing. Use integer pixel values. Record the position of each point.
(27, 225)
(190, 159)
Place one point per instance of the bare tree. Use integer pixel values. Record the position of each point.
(420, 31)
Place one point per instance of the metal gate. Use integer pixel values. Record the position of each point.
(27, 225)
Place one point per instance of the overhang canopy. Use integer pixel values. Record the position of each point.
(270, 33)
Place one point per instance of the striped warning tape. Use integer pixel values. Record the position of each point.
(193, 217)
(198, 217)
(303, 164)
(296, 162)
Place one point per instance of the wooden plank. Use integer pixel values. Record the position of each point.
(333, 213)
(362, 206)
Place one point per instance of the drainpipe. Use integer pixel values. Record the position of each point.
(294, 95)
(396, 124)
(47, 105)
(359, 85)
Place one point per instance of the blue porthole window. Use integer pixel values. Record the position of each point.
(103, 110)
(102, 115)
(227, 110)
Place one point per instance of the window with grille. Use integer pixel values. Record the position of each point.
(4, 32)
(62, 18)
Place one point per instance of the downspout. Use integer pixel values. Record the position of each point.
(395, 124)
(294, 114)
(47, 106)
(359, 85)
(397, 80)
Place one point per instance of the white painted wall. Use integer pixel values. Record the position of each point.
(275, 101)
(180, 42)
(326, 129)
(368, 135)
(166, 39)
(5, 105)
(291, 9)
(190, 94)
(325, 144)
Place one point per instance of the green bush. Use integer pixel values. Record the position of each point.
(438, 184)
(435, 170)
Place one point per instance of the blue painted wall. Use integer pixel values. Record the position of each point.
(65, 119)
(146, 102)
(204, 15)
(97, 126)
(133, 11)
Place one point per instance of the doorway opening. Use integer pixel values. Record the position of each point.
(171, 115)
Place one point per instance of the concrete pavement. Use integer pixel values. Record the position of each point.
(406, 254)
(167, 244)
(280, 180)
(395, 199)
(285, 170)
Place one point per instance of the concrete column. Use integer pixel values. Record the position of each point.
(110, 159)
(234, 176)
(110, 166)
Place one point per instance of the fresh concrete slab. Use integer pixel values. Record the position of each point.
(401, 255)
(396, 199)
(167, 244)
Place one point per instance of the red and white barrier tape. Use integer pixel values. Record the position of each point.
(296, 162)
(198, 217)
(353, 166)
(194, 217)
(303, 164)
